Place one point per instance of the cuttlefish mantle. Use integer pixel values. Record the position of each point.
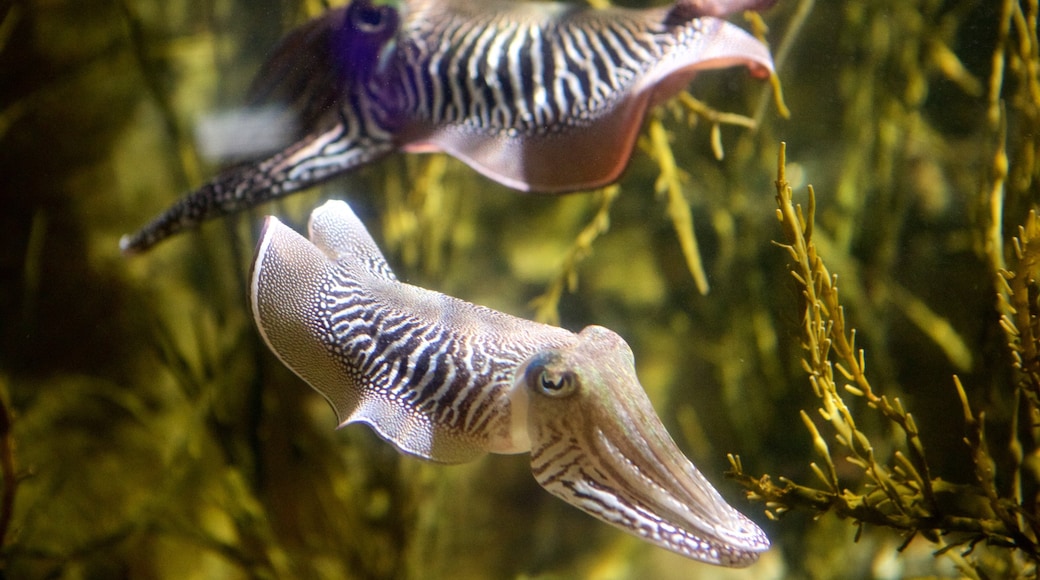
(448, 381)
(538, 96)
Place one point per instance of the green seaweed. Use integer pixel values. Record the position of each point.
(901, 492)
(987, 524)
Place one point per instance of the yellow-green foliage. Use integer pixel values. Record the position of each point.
(900, 492)
(988, 525)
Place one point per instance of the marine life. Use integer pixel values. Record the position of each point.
(538, 96)
(448, 381)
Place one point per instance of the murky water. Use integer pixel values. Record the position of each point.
(155, 436)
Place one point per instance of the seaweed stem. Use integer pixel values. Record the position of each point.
(669, 183)
(547, 304)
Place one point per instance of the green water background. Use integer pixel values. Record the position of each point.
(156, 437)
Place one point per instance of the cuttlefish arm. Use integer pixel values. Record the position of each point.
(447, 381)
(343, 125)
(538, 96)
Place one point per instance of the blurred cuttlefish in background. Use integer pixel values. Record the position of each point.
(448, 381)
(538, 96)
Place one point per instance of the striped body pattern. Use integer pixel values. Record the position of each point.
(538, 96)
(515, 70)
(452, 382)
(448, 381)
(428, 371)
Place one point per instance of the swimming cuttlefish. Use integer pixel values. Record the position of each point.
(538, 96)
(448, 381)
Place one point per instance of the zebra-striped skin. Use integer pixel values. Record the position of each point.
(448, 381)
(538, 96)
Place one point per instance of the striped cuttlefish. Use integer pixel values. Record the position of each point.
(538, 96)
(448, 381)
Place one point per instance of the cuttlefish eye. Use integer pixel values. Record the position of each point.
(558, 386)
(550, 382)
(369, 18)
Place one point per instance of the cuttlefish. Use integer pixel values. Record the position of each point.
(538, 96)
(448, 381)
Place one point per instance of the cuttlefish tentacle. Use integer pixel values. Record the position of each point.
(538, 96)
(246, 185)
(347, 127)
(447, 381)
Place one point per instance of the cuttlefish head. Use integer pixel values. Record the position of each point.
(597, 443)
(363, 40)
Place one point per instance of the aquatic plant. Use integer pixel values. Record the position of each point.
(987, 525)
(900, 492)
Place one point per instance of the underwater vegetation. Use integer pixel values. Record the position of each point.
(988, 523)
(146, 430)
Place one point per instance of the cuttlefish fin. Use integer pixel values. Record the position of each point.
(532, 162)
(306, 295)
(599, 145)
(286, 287)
